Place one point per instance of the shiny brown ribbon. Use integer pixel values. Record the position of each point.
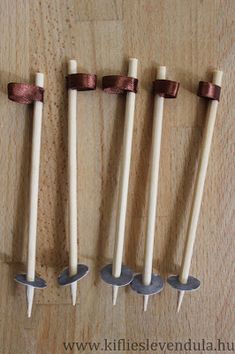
(209, 90)
(166, 88)
(81, 82)
(118, 84)
(24, 93)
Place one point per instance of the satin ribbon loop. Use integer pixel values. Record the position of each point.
(81, 82)
(209, 90)
(118, 84)
(166, 88)
(24, 93)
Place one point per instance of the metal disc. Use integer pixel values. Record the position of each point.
(155, 287)
(124, 279)
(38, 283)
(191, 285)
(65, 279)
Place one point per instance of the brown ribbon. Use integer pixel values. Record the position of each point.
(209, 90)
(24, 93)
(81, 82)
(118, 84)
(166, 88)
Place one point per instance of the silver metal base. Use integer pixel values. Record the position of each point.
(38, 283)
(125, 278)
(155, 287)
(191, 285)
(65, 279)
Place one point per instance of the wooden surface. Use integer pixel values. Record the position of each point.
(190, 38)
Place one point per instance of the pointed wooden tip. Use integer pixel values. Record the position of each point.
(74, 293)
(29, 296)
(146, 299)
(180, 299)
(115, 294)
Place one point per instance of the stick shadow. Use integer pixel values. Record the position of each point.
(109, 186)
(139, 199)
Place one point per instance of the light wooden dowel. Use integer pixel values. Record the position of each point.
(153, 187)
(125, 171)
(72, 171)
(124, 177)
(154, 175)
(34, 186)
(200, 181)
(199, 186)
(72, 178)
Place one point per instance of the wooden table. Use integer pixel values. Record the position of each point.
(190, 38)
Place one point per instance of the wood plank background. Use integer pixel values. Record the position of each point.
(190, 37)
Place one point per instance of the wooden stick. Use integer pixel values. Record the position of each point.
(124, 179)
(34, 185)
(72, 182)
(199, 186)
(153, 188)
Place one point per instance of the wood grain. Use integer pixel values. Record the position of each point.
(190, 37)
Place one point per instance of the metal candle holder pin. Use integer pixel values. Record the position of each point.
(147, 284)
(183, 282)
(116, 274)
(28, 94)
(75, 82)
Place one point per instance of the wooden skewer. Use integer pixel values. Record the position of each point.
(199, 186)
(153, 189)
(72, 179)
(33, 203)
(124, 179)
